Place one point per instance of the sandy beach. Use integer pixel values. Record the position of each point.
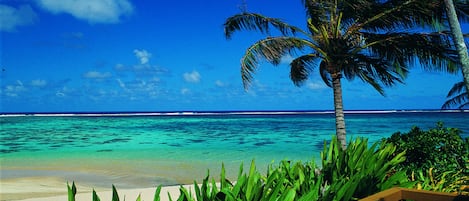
(47, 189)
(46, 179)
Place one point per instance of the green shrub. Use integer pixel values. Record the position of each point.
(440, 148)
(437, 159)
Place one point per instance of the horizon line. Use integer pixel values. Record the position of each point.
(224, 112)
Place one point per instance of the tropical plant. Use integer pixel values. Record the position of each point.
(437, 159)
(440, 148)
(458, 96)
(448, 181)
(72, 191)
(363, 170)
(365, 39)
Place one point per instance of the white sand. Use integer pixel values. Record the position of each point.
(129, 194)
(50, 189)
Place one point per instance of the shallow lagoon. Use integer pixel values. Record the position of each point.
(148, 150)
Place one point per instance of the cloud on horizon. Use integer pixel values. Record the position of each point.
(96, 11)
(11, 18)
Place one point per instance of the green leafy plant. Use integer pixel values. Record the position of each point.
(441, 148)
(360, 170)
(437, 159)
(449, 181)
(72, 191)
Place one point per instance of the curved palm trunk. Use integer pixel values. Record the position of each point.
(339, 110)
(458, 40)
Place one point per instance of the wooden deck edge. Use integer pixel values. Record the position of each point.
(398, 193)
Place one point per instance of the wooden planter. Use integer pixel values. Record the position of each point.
(395, 194)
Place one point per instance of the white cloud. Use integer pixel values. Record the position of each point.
(15, 90)
(219, 83)
(193, 77)
(59, 94)
(97, 75)
(93, 11)
(121, 84)
(185, 91)
(10, 17)
(38, 83)
(64, 92)
(315, 85)
(143, 56)
(287, 59)
(120, 67)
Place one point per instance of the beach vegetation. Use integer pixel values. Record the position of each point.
(375, 41)
(437, 159)
(356, 172)
(440, 148)
(72, 191)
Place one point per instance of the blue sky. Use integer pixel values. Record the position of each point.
(124, 55)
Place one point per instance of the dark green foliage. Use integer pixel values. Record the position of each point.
(440, 148)
(437, 159)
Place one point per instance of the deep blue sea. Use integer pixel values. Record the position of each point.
(145, 150)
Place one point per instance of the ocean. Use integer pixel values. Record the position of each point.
(136, 150)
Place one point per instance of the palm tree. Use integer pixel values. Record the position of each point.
(458, 96)
(458, 41)
(365, 39)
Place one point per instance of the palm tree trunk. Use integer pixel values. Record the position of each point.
(339, 110)
(458, 40)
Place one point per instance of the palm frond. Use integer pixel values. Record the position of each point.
(400, 14)
(316, 10)
(461, 101)
(301, 67)
(257, 22)
(325, 75)
(368, 79)
(457, 96)
(356, 9)
(457, 88)
(271, 49)
(462, 9)
(375, 71)
(432, 50)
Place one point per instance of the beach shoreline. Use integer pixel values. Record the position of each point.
(41, 183)
(50, 188)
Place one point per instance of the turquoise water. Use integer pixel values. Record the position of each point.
(151, 150)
